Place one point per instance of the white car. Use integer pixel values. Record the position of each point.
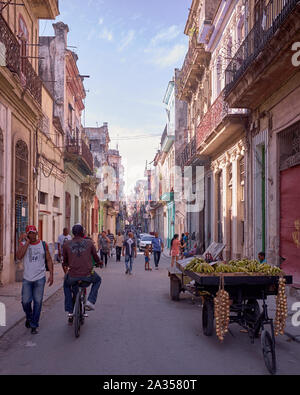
(145, 240)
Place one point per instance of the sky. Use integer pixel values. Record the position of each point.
(130, 49)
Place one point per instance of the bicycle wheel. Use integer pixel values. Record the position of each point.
(77, 317)
(268, 349)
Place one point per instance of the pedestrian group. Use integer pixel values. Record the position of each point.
(79, 257)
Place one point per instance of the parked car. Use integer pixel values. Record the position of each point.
(145, 240)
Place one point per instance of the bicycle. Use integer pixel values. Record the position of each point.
(79, 308)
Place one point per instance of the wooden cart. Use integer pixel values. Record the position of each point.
(244, 291)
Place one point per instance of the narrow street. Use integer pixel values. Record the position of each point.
(136, 330)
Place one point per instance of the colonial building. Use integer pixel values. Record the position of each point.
(20, 117)
(109, 171)
(62, 78)
(265, 80)
(50, 175)
(217, 132)
(99, 145)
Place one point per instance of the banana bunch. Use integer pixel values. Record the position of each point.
(223, 268)
(269, 270)
(194, 263)
(204, 268)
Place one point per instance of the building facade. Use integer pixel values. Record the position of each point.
(62, 78)
(20, 117)
(274, 128)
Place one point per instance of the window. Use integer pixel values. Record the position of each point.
(76, 208)
(219, 76)
(70, 119)
(242, 178)
(21, 169)
(56, 202)
(241, 31)
(43, 198)
(24, 38)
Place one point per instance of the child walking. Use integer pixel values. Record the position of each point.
(147, 258)
(175, 249)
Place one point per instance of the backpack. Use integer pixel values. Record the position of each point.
(46, 263)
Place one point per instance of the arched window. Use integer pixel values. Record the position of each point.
(21, 169)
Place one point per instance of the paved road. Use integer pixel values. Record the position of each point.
(136, 330)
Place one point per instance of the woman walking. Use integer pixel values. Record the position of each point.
(175, 249)
(119, 244)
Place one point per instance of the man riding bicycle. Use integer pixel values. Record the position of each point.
(78, 255)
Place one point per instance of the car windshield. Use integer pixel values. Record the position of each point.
(147, 238)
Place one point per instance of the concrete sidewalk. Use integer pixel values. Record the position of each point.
(10, 296)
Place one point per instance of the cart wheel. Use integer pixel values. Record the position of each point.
(268, 349)
(208, 317)
(175, 288)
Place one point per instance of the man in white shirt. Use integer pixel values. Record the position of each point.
(35, 254)
(62, 240)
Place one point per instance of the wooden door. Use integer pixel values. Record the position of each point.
(41, 229)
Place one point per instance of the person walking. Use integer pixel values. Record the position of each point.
(129, 252)
(147, 258)
(37, 259)
(61, 241)
(104, 246)
(182, 246)
(78, 266)
(112, 241)
(175, 249)
(186, 239)
(118, 245)
(157, 249)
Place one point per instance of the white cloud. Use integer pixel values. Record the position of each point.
(100, 22)
(127, 40)
(166, 35)
(106, 34)
(167, 57)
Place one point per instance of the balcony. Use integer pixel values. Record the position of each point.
(45, 9)
(193, 69)
(78, 152)
(19, 66)
(218, 125)
(263, 63)
(187, 154)
(167, 140)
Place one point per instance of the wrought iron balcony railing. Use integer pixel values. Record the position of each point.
(184, 157)
(216, 114)
(78, 147)
(275, 14)
(18, 65)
